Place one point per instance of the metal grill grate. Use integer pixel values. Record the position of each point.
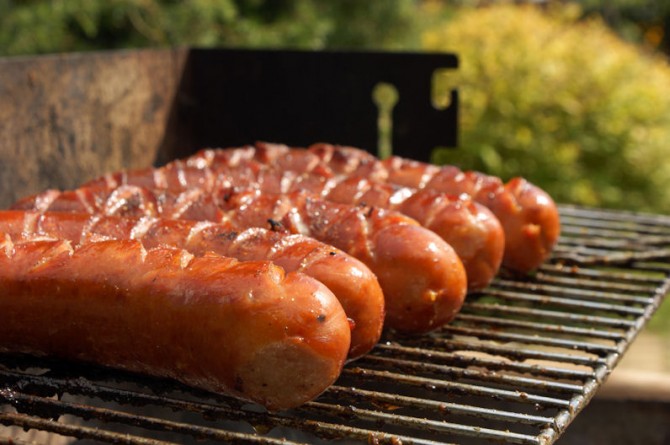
(516, 366)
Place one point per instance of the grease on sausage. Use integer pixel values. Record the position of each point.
(354, 285)
(241, 328)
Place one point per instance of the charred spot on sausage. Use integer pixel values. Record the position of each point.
(228, 235)
(275, 225)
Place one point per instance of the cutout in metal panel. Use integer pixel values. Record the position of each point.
(385, 96)
(443, 83)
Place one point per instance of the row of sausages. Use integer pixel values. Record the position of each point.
(330, 245)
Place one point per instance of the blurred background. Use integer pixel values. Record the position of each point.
(575, 96)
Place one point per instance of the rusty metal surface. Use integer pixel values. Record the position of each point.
(517, 366)
(65, 118)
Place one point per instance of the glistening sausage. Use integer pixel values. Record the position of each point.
(528, 215)
(470, 228)
(241, 328)
(354, 285)
(423, 280)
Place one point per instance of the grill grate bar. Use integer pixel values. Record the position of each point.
(618, 243)
(455, 387)
(487, 363)
(509, 352)
(603, 227)
(590, 320)
(601, 221)
(619, 224)
(564, 302)
(625, 220)
(564, 418)
(478, 320)
(262, 420)
(80, 432)
(482, 334)
(581, 293)
(595, 256)
(602, 237)
(614, 238)
(444, 408)
(627, 288)
(60, 407)
(608, 276)
(433, 425)
(584, 213)
(654, 266)
(487, 376)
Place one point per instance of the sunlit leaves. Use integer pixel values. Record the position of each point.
(563, 102)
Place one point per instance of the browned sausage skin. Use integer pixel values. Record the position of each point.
(431, 287)
(241, 328)
(528, 215)
(470, 228)
(354, 285)
(423, 280)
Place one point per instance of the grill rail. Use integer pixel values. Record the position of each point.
(516, 366)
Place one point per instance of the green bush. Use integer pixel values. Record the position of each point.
(561, 101)
(47, 26)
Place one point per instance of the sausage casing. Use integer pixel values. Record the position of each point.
(354, 285)
(241, 328)
(469, 227)
(423, 281)
(528, 215)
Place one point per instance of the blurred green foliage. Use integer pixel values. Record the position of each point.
(47, 26)
(562, 101)
(641, 21)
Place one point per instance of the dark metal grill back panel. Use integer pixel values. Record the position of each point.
(517, 365)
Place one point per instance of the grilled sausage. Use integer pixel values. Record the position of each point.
(422, 279)
(240, 328)
(528, 215)
(354, 285)
(470, 228)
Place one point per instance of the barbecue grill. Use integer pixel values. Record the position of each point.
(517, 365)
